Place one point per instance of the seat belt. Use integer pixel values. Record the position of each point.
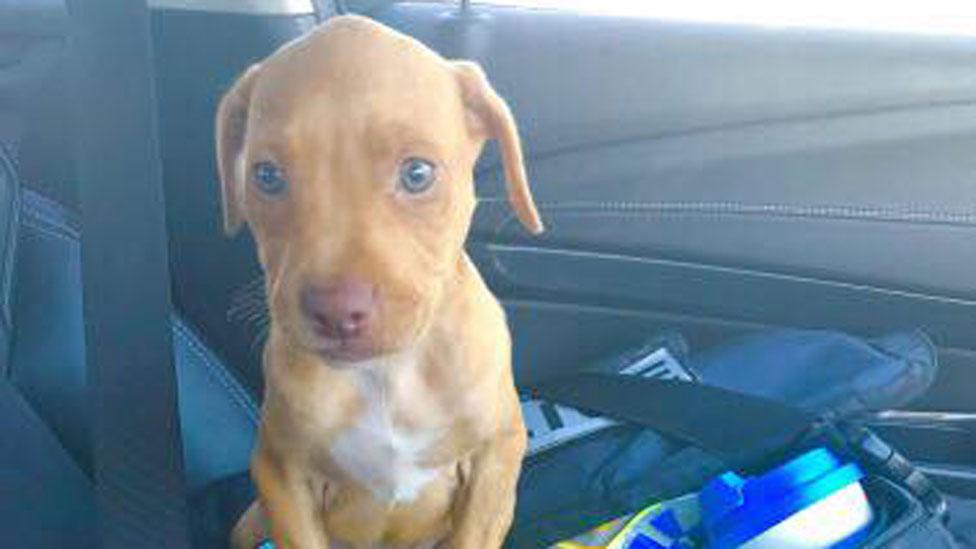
(741, 429)
(136, 446)
(748, 432)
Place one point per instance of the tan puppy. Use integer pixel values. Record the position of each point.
(390, 417)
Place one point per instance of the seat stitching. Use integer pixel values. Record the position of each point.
(44, 207)
(237, 394)
(234, 393)
(895, 214)
(42, 221)
(39, 214)
(49, 230)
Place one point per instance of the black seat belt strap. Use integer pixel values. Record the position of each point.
(738, 428)
(137, 451)
(746, 431)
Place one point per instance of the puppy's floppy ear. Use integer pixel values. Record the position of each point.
(495, 120)
(231, 127)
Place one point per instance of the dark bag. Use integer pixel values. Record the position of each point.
(708, 430)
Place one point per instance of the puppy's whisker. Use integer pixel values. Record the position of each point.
(248, 305)
(245, 304)
(255, 316)
(276, 282)
(249, 293)
(249, 302)
(243, 300)
(245, 309)
(251, 286)
(245, 312)
(260, 336)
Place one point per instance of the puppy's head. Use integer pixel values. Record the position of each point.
(349, 154)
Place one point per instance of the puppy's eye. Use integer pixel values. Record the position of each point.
(416, 175)
(269, 178)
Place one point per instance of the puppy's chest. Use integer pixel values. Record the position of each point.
(387, 448)
(386, 459)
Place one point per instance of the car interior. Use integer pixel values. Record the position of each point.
(710, 180)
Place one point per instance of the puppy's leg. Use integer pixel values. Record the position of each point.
(483, 510)
(290, 504)
(251, 529)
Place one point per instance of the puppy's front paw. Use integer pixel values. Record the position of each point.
(251, 530)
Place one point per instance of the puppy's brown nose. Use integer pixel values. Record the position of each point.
(340, 310)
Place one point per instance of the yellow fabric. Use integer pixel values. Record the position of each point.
(609, 535)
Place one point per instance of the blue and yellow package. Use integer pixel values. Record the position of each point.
(667, 525)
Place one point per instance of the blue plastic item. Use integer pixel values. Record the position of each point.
(735, 510)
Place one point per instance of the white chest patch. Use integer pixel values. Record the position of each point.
(373, 451)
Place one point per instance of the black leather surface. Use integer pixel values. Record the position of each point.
(48, 360)
(567, 308)
(33, 17)
(9, 216)
(47, 501)
(217, 413)
(45, 498)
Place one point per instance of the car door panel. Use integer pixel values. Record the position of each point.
(735, 175)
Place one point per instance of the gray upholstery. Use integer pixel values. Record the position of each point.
(48, 362)
(218, 415)
(47, 500)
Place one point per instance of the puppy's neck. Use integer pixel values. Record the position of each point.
(379, 375)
